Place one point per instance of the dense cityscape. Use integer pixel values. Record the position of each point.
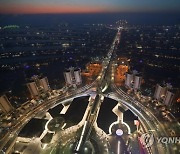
(38, 49)
(89, 80)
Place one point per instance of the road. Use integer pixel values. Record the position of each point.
(44, 106)
(147, 118)
(100, 87)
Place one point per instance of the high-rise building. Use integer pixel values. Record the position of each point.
(77, 76)
(5, 105)
(38, 86)
(73, 76)
(68, 77)
(133, 80)
(169, 98)
(44, 83)
(160, 92)
(137, 82)
(129, 80)
(33, 89)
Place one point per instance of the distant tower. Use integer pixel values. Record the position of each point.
(129, 80)
(160, 92)
(68, 77)
(137, 82)
(169, 98)
(44, 84)
(38, 86)
(5, 105)
(73, 76)
(33, 89)
(77, 75)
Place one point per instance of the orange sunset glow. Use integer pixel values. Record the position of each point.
(31, 9)
(82, 6)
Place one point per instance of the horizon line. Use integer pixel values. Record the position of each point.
(108, 12)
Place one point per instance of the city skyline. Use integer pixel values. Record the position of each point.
(79, 6)
(89, 77)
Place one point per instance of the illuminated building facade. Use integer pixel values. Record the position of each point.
(38, 86)
(77, 76)
(5, 105)
(33, 89)
(44, 83)
(129, 80)
(73, 77)
(160, 92)
(137, 82)
(169, 98)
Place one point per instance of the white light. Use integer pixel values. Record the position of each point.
(44, 146)
(119, 132)
(117, 122)
(118, 152)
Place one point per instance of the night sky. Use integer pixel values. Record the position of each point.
(87, 6)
